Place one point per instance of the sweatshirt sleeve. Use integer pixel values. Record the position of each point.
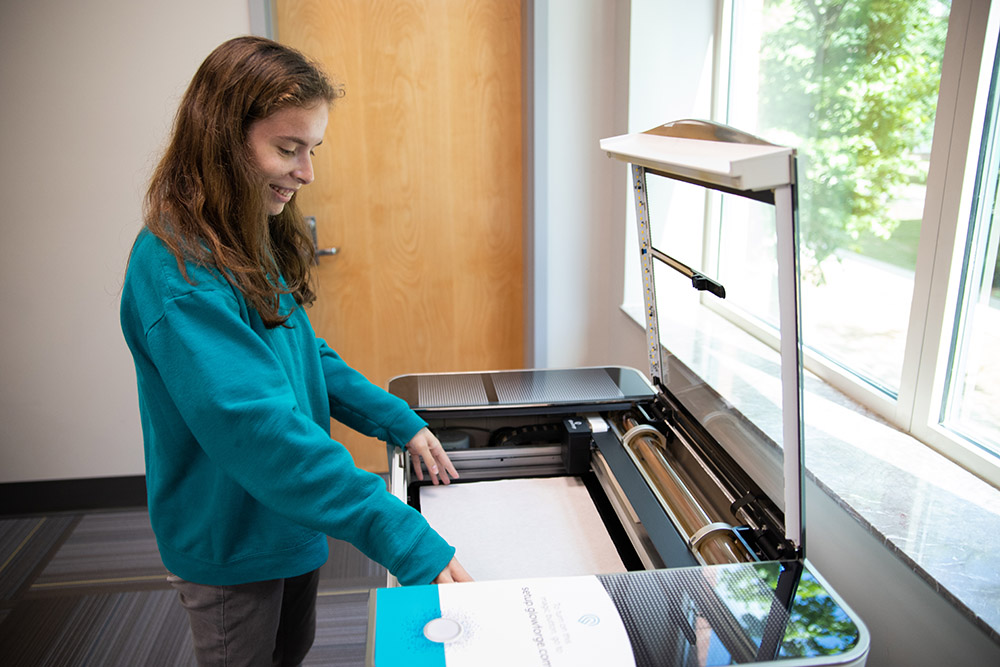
(238, 403)
(363, 406)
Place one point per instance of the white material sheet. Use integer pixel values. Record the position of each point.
(517, 528)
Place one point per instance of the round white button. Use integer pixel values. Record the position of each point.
(442, 630)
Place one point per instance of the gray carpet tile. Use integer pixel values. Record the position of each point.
(130, 628)
(341, 630)
(150, 628)
(25, 546)
(107, 550)
(91, 590)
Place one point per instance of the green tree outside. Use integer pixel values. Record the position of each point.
(852, 84)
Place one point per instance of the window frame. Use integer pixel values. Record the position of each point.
(967, 71)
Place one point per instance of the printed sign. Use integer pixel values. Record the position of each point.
(558, 622)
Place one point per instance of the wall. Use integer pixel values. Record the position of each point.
(581, 236)
(578, 100)
(581, 88)
(89, 91)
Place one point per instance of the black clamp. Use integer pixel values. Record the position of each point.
(576, 449)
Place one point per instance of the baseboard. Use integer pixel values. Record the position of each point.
(72, 495)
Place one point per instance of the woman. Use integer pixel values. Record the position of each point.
(236, 391)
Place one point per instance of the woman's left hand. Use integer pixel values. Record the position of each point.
(424, 446)
(453, 574)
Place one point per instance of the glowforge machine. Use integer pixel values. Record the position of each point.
(613, 520)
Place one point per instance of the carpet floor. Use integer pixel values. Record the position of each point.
(89, 589)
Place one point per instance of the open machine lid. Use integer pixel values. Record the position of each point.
(699, 155)
(707, 153)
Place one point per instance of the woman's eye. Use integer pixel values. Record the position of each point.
(286, 152)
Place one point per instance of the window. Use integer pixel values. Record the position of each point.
(854, 90)
(886, 104)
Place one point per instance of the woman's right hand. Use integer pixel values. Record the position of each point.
(425, 446)
(453, 574)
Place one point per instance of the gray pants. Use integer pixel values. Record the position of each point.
(263, 624)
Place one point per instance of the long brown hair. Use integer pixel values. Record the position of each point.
(206, 197)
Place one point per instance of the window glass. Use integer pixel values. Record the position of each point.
(852, 85)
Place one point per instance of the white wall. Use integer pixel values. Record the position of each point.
(574, 51)
(89, 92)
(581, 56)
(580, 239)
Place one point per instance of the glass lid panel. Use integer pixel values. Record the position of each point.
(721, 365)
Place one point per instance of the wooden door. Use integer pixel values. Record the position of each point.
(418, 184)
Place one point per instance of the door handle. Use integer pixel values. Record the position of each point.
(320, 252)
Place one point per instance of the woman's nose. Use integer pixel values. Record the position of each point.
(304, 171)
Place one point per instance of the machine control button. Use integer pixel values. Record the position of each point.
(442, 630)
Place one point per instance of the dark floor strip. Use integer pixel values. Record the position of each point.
(26, 545)
(106, 551)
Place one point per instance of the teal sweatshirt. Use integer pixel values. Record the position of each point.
(244, 481)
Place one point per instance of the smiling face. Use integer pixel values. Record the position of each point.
(282, 148)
